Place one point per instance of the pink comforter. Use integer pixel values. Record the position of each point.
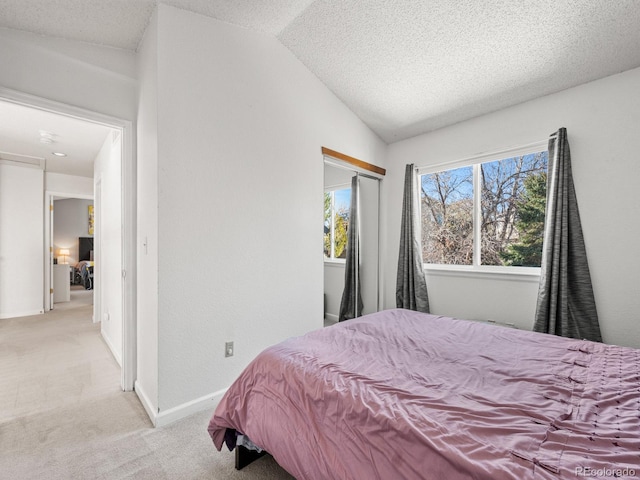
(405, 395)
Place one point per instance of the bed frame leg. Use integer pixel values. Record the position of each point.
(244, 456)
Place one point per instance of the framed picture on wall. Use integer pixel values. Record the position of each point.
(91, 223)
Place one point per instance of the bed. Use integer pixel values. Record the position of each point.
(406, 395)
(83, 270)
(84, 273)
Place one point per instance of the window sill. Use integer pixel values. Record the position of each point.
(332, 262)
(517, 274)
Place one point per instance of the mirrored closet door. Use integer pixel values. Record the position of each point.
(337, 200)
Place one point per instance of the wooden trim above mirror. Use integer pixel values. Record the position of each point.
(354, 161)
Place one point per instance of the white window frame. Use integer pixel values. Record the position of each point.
(333, 189)
(476, 269)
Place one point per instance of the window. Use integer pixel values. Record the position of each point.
(337, 202)
(485, 214)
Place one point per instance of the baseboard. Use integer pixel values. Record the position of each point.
(208, 402)
(21, 314)
(331, 316)
(115, 354)
(146, 403)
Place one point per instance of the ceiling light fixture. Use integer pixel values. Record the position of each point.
(46, 137)
(59, 154)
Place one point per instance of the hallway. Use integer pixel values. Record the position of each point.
(54, 360)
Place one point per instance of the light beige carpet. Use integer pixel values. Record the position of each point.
(63, 416)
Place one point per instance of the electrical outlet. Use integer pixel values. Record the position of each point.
(228, 349)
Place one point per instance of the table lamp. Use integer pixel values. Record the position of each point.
(64, 252)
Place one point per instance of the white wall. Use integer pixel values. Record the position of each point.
(70, 221)
(240, 198)
(602, 119)
(21, 240)
(68, 184)
(108, 243)
(93, 77)
(147, 221)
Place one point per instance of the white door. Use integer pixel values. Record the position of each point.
(51, 252)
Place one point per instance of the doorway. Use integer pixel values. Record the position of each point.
(71, 246)
(126, 291)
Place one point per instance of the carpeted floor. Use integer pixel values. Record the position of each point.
(63, 415)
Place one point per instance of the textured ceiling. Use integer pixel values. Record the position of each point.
(406, 67)
(403, 66)
(121, 23)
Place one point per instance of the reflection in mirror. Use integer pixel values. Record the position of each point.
(337, 197)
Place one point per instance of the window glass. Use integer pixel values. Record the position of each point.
(336, 222)
(505, 216)
(447, 217)
(513, 201)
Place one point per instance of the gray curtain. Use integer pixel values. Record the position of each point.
(411, 285)
(351, 303)
(566, 305)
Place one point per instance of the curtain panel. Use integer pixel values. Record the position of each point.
(351, 304)
(566, 305)
(411, 284)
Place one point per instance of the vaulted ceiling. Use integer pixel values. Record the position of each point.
(403, 66)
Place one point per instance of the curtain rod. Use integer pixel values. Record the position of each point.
(497, 154)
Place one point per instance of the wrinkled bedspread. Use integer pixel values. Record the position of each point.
(405, 395)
